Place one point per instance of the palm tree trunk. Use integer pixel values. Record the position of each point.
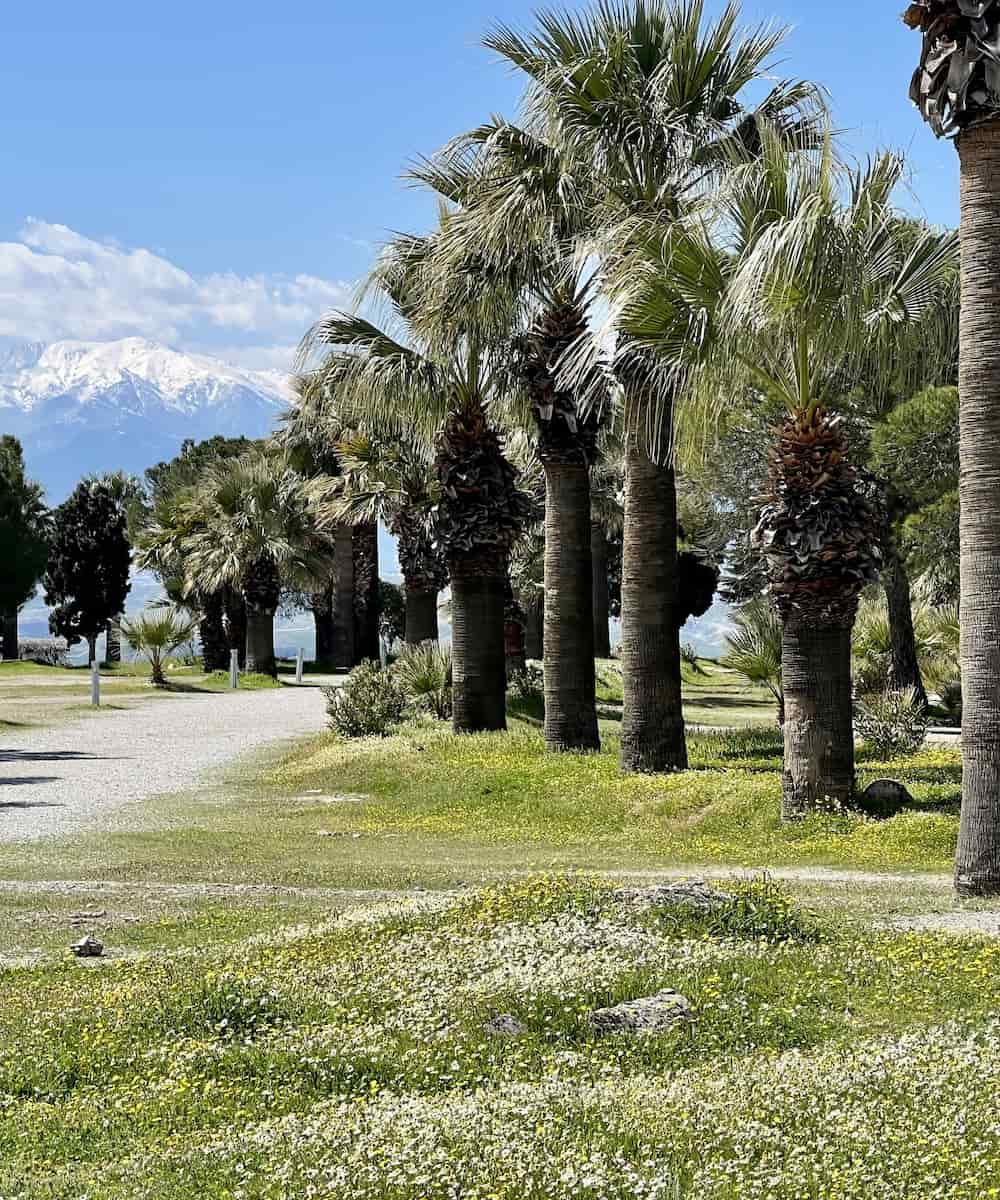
(366, 606)
(977, 866)
(9, 635)
(599, 560)
(905, 667)
(653, 725)
(819, 730)
(421, 614)
(570, 712)
(515, 655)
(113, 640)
(260, 641)
(321, 604)
(343, 599)
(261, 593)
(234, 618)
(91, 648)
(211, 630)
(533, 603)
(479, 684)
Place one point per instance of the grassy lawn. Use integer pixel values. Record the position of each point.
(261, 1029)
(35, 695)
(352, 1058)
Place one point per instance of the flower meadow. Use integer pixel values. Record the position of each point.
(356, 1059)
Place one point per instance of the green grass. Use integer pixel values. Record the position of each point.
(257, 1032)
(35, 695)
(352, 1058)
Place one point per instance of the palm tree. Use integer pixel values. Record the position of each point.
(955, 88)
(801, 293)
(159, 534)
(754, 649)
(646, 98)
(157, 632)
(392, 479)
(520, 224)
(253, 526)
(444, 380)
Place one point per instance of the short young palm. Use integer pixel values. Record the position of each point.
(645, 98)
(253, 526)
(157, 632)
(957, 88)
(753, 649)
(443, 379)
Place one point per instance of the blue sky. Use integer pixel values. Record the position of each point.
(213, 174)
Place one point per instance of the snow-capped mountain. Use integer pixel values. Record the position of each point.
(80, 407)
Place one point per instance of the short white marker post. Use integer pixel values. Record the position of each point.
(383, 655)
(95, 684)
(234, 669)
(298, 666)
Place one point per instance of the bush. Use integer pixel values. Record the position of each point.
(392, 612)
(528, 684)
(892, 722)
(47, 652)
(424, 674)
(951, 700)
(370, 704)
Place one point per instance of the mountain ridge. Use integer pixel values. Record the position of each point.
(81, 407)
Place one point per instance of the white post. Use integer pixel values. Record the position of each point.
(95, 684)
(382, 654)
(298, 665)
(234, 668)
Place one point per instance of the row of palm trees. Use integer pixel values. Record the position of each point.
(644, 247)
(666, 231)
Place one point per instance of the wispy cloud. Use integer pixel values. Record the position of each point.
(56, 283)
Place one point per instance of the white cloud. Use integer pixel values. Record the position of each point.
(56, 283)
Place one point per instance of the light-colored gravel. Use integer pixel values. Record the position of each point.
(83, 775)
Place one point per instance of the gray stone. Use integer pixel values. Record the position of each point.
(649, 1014)
(691, 893)
(88, 947)
(505, 1025)
(884, 798)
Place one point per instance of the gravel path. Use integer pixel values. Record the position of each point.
(79, 776)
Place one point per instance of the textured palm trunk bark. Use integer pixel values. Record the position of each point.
(599, 561)
(533, 603)
(113, 641)
(211, 630)
(479, 678)
(977, 865)
(343, 599)
(905, 667)
(260, 641)
(570, 711)
(234, 617)
(653, 725)
(819, 727)
(515, 654)
(9, 648)
(421, 615)
(321, 606)
(366, 600)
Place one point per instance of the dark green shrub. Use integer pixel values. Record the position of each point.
(370, 703)
(892, 722)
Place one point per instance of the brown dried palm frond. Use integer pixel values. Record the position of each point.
(820, 527)
(957, 83)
